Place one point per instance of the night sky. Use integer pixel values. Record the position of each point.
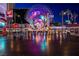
(55, 8)
(19, 15)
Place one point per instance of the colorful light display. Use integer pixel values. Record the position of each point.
(15, 25)
(2, 43)
(40, 40)
(44, 43)
(2, 24)
(38, 17)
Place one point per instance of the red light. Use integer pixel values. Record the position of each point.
(15, 25)
(4, 31)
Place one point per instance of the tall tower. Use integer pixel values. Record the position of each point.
(9, 14)
(10, 6)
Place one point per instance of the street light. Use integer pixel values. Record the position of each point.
(62, 13)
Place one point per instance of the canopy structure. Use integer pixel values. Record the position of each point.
(38, 17)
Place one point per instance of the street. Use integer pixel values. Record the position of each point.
(39, 43)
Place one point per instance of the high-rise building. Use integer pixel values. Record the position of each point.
(9, 13)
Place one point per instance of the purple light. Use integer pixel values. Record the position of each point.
(39, 16)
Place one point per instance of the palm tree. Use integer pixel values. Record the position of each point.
(75, 16)
(68, 13)
(62, 13)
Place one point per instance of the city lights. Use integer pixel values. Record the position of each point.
(2, 24)
(2, 43)
(38, 17)
(37, 29)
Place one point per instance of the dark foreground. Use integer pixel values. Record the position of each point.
(39, 44)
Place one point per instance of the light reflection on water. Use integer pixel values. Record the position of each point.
(44, 39)
(2, 45)
(44, 43)
(39, 42)
(39, 39)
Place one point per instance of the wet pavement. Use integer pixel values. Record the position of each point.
(39, 44)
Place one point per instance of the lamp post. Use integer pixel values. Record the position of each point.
(62, 13)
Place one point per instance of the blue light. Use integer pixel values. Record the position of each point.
(33, 37)
(68, 21)
(43, 45)
(2, 24)
(42, 17)
(2, 43)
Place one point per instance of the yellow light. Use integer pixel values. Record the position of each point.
(18, 15)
